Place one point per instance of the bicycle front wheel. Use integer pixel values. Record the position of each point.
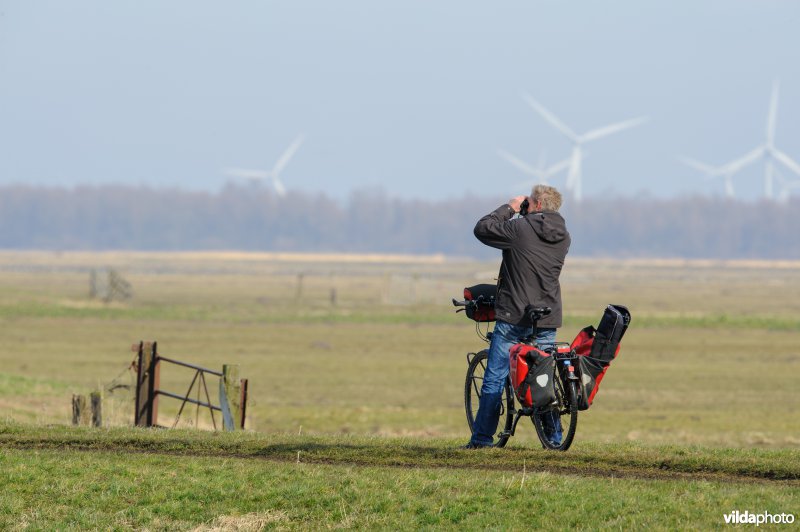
(472, 397)
(556, 427)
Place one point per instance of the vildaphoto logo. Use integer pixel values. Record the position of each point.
(749, 518)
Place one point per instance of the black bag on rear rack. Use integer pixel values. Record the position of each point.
(609, 333)
(596, 349)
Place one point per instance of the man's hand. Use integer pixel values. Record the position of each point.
(514, 203)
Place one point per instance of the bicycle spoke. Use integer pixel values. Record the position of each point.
(476, 387)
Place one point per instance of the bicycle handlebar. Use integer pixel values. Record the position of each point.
(480, 300)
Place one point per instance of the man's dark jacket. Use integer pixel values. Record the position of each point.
(534, 248)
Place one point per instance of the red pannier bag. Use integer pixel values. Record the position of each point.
(596, 349)
(532, 376)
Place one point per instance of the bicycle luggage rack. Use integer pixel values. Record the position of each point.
(232, 390)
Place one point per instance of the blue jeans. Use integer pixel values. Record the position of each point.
(504, 337)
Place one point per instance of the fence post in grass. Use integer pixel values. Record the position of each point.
(230, 390)
(79, 413)
(243, 402)
(147, 382)
(96, 399)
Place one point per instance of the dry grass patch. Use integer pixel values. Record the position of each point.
(244, 523)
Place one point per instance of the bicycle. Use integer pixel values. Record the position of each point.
(565, 383)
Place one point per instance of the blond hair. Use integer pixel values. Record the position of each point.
(549, 196)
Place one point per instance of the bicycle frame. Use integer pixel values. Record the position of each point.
(565, 383)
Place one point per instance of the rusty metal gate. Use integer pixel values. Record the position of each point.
(232, 390)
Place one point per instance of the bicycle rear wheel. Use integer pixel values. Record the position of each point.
(564, 415)
(472, 396)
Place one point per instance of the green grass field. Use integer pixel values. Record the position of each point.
(350, 358)
(110, 478)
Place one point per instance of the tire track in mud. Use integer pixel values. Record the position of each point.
(448, 459)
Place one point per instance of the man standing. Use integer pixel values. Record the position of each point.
(534, 247)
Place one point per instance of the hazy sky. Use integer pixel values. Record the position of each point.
(412, 96)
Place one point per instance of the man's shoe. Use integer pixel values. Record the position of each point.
(472, 445)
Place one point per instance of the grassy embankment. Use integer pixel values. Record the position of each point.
(81, 478)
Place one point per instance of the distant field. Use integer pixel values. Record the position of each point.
(348, 344)
(356, 368)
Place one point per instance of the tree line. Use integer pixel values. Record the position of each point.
(253, 218)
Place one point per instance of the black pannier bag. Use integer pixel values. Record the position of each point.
(609, 333)
(591, 373)
(485, 294)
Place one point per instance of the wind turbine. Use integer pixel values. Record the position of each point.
(712, 172)
(767, 151)
(273, 174)
(770, 151)
(541, 171)
(787, 186)
(574, 180)
(727, 170)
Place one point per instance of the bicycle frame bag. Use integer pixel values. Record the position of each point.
(485, 295)
(532, 376)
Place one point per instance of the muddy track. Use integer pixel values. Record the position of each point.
(452, 459)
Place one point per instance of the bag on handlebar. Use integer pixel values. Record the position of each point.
(596, 349)
(532, 376)
(485, 294)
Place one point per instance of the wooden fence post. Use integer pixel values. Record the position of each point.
(243, 402)
(79, 414)
(96, 399)
(147, 383)
(230, 396)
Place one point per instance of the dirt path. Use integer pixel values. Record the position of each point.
(411, 457)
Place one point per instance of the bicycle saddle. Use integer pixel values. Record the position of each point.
(537, 313)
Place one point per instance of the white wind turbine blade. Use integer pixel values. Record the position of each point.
(613, 128)
(737, 164)
(697, 165)
(786, 186)
(284, 160)
(786, 161)
(574, 180)
(773, 113)
(519, 164)
(729, 192)
(557, 167)
(782, 181)
(246, 173)
(550, 117)
(279, 188)
(574, 167)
